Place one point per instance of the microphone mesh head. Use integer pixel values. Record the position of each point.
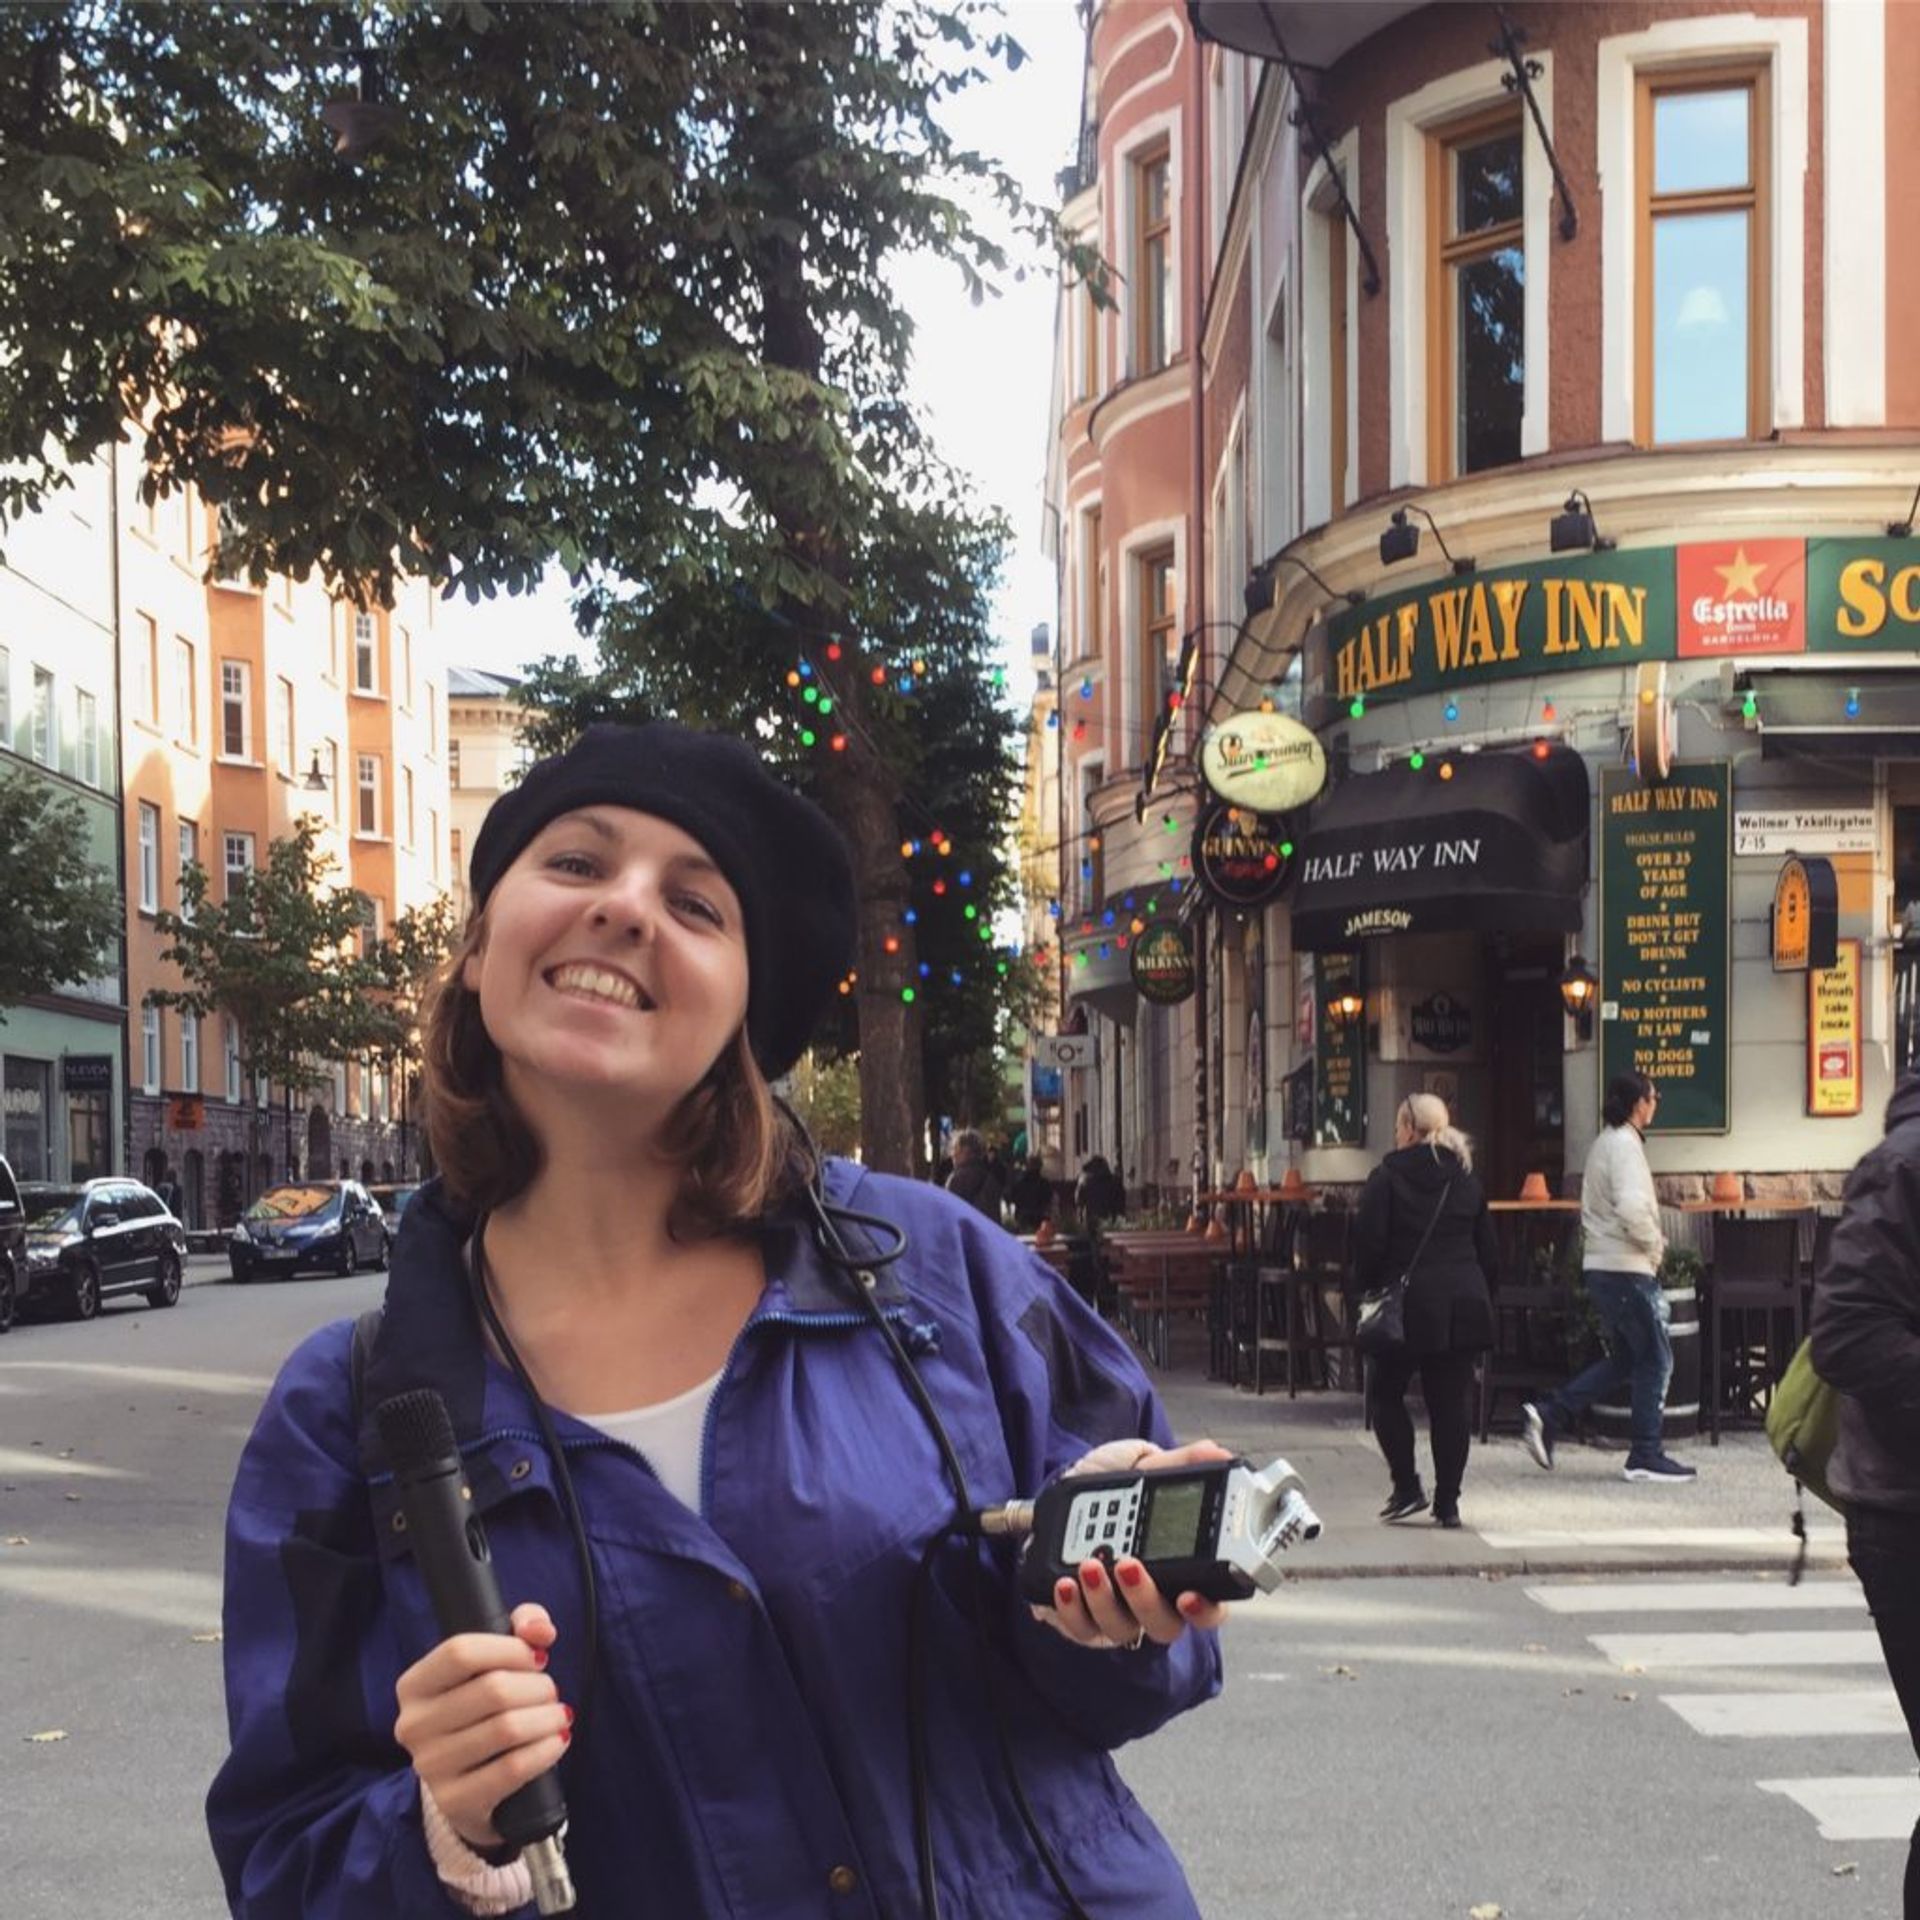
(415, 1430)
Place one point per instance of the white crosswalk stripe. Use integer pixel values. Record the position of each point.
(1877, 1804)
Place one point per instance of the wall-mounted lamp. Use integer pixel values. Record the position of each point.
(1579, 987)
(1345, 1005)
(1262, 589)
(316, 781)
(1903, 529)
(1573, 527)
(1401, 541)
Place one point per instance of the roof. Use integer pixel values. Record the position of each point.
(469, 683)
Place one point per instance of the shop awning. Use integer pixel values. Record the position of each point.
(1861, 712)
(1500, 846)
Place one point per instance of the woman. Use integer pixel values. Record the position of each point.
(1424, 1218)
(657, 923)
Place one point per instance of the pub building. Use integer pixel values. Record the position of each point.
(1517, 400)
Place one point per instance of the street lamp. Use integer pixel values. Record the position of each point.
(1345, 1005)
(1579, 986)
(316, 780)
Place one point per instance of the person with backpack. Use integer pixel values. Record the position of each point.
(1866, 1345)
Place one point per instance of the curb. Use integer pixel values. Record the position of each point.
(1523, 1569)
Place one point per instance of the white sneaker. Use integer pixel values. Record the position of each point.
(1536, 1435)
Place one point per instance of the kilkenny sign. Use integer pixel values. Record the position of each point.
(1664, 868)
(1162, 964)
(1727, 599)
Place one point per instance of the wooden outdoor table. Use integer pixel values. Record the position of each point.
(1156, 1256)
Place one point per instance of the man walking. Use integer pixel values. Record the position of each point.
(1620, 1226)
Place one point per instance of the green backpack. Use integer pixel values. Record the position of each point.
(1803, 1422)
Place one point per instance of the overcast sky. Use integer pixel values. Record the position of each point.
(981, 373)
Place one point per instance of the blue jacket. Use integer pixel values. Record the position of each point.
(747, 1736)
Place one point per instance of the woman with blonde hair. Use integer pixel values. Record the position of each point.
(1423, 1223)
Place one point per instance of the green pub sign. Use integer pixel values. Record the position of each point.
(1339, 1058)
(1663, 939)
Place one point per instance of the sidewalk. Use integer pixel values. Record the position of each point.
(1580, 1518)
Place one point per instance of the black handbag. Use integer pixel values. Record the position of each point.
(1382, 1325)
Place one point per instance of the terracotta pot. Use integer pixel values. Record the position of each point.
(1244, 1182)
(1215, 1231)
(1194, 1224)
(1293, 1187)
(1534, 1187)
(1043, 1234)
(1726, 1189)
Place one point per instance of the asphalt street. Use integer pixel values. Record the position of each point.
(1487, 1730)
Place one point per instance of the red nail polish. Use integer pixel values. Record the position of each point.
(566, 1736)
(568, 1711)
(1064, 1593)
(1132, 1576)
(1091, 1578)
(540, 1657)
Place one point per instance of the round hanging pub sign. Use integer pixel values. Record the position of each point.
(1162, 964)
(1264, 762)
(1240, 858)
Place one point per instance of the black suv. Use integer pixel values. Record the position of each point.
(308, 1223)
(90, 1240)
(13, 1247)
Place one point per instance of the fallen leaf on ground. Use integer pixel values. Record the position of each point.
(1339, 1673)
(73, 1498)
(42, 1739)
(1628, 1666)
(206, 1639)
(18, 1540)
(1567, 1693)
(1487, 1910)
(1533, 1646)
(1846, 1869)
(1626, 1696)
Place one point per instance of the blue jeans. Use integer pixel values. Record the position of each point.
(1633, 1321)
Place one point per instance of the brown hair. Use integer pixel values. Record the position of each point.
(741, 1157)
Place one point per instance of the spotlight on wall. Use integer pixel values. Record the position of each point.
(1263, 588)
(1579, 986)
(1401, 540)
(1903, 529)
(1573, 527)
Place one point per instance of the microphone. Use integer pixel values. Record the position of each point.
(450, 1546)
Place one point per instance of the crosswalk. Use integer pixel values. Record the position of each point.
(1766, 1663)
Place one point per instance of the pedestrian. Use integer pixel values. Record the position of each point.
(1098, 1194)
(713, 1507)
(1622, 1247)
(167, 1190)
(1423, 1219)
(972, 1177)
(1031, 1197)
(1866, 1344)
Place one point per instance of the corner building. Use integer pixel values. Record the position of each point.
(1552, 395)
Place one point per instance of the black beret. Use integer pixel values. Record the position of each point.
(781, 855)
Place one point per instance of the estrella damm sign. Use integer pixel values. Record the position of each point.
(1591, 611)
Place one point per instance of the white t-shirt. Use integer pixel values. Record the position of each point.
(668, 1436)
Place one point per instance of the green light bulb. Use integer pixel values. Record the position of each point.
(1416, 760)
(907, 994)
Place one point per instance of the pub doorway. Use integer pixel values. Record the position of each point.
(1526, 1093)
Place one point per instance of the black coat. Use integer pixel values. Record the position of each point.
(974, 1182)
(1866, 1318)
(1448, 1307)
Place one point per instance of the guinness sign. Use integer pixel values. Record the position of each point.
(1240, 858)
(1162, 965)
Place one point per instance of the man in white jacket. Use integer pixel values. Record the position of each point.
(1620, 1226)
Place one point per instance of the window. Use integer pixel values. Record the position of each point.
(433, 841)
(149, 1049)
(1152, 261)
(369, 924)
(189, 1054)
(1702, 271)
(1339, 350)
(453, 763)
(406, 789)
(236, 710)
(1086, 381)
(365, 664)
(43, 743)
(368, 782)
(433, 722)
(330, 766)
(1093, 633)
(189, 845)
(149, 858)
(146, 670)
(1159, 636)
(406, 668)
(86, 717)
(1476, 295)
(283, 726)
(186, 717)
(237, 857)
(230, 1046)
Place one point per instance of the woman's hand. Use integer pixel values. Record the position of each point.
(1124, 1607)
(480, 1717)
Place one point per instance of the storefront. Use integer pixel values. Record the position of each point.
(59, 1096)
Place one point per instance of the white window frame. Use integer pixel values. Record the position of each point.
(1411, 123)
(146, 670)
(186, 834)
(433, 843)
(1086, 566)
(366, 795)
(228, 866)
(186, 677)
(149, 837)
(1136, 726)
(411, 813)
(151, 1041)
(1318, 203)
(1227, 526)
(366, 647)
(236, 697)
(284, 739)
(189, 1054)
(230, 1042)
(1855, 166)
(1147, 135)
(86, 724)
(43, 719)
(1707, 38)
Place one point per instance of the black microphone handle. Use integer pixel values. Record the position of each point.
(450, 1547)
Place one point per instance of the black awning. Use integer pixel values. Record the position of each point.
(1501, 846)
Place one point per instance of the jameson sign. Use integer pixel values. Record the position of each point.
(1705, 600)
(1663, 940)
(1162, 965)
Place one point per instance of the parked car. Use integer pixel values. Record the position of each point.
(391, 1198)
(13, 1247)
(89, 1240)
(309, 1223)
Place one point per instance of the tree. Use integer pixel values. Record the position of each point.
(278, 957)
(605, 285)
(63, 912)
(826, 1095)
(403, 967)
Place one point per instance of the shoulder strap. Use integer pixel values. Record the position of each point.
(1439, 1208)
(366, 1330)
